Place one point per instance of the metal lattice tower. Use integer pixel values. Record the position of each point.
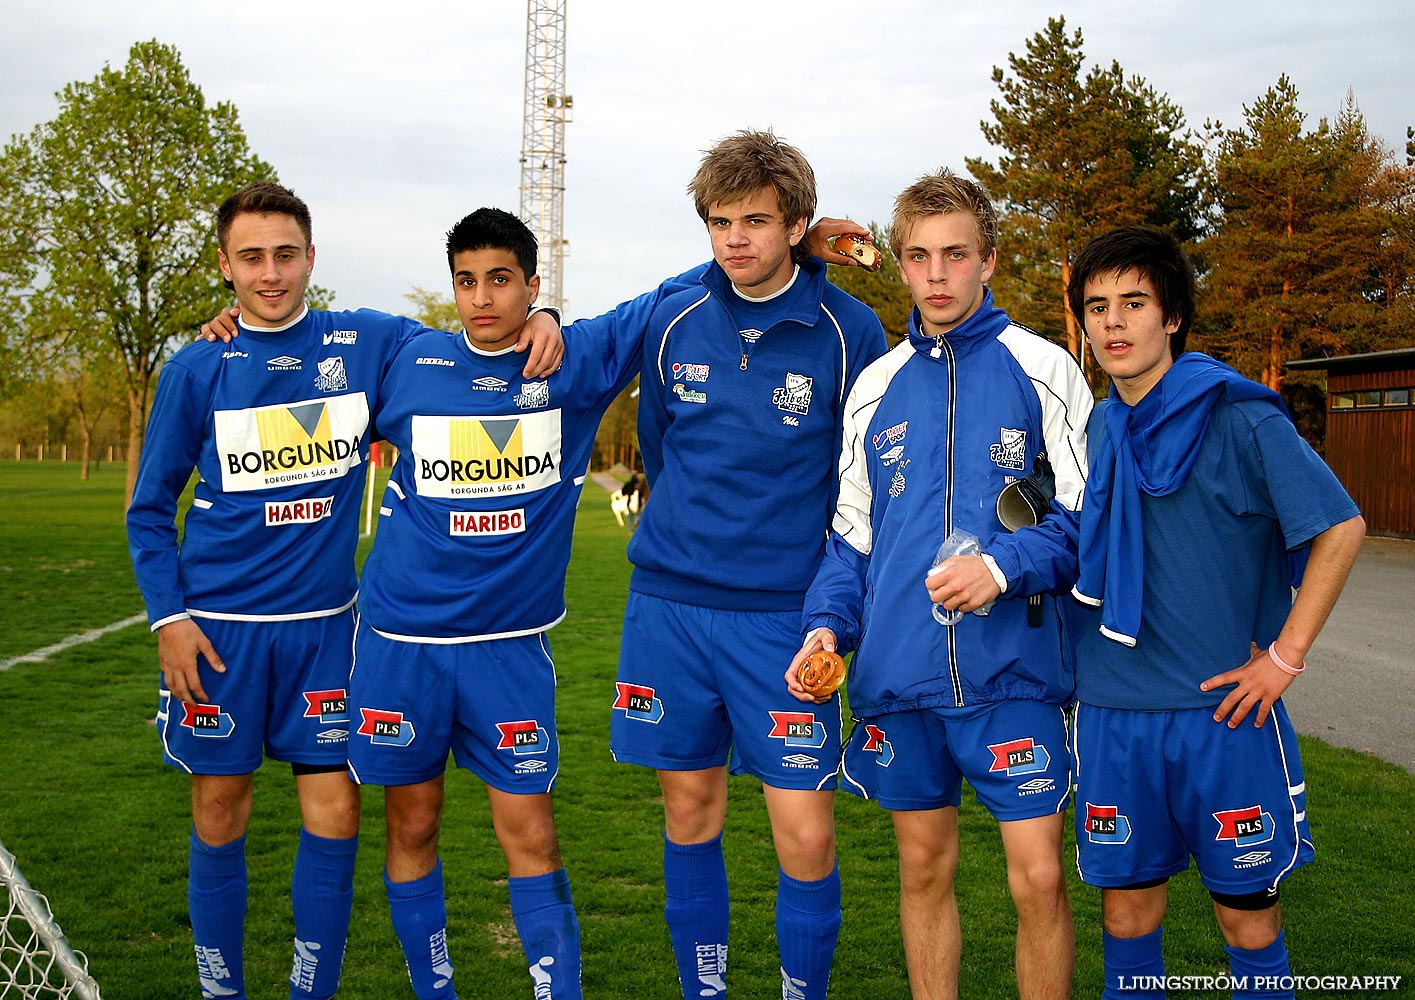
(548, 109)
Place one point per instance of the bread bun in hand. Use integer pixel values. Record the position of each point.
(867, 255)
(821, 673)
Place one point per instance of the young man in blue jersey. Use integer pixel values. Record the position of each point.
(1201, 503)
(253, 609)
(465, 580)
(743, 382)
(935, 431)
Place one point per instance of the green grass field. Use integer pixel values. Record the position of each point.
(100, 825)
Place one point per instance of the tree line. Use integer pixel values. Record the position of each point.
(1304, 234)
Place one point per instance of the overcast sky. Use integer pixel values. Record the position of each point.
(395, 120)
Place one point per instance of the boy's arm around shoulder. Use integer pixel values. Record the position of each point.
(620, 333)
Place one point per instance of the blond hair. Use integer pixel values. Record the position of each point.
(745, 162)
(937, 194)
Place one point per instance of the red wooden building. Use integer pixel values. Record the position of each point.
(1371, 434)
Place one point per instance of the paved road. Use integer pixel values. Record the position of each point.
(1359, 688)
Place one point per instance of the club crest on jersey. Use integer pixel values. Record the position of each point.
(688, 395)
(797, 729)
(298, 511)
(876, 743)
(208, 721)
(533, 395)
(522, 737)
(795, 395)
(1011, 452)
(1024, 756)
(690, 373)
(1245, 827)
(638, 701)
(890, 435)
(1105, 825)
(331, 377)
(386, 729)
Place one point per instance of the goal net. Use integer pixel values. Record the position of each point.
(36, 962)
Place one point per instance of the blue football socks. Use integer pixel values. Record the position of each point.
(216, 902)
(1131, 964)
(695, 882)
(807, 926)
(1264, 972)
(322, 892)
(550, 933)
(419, 912)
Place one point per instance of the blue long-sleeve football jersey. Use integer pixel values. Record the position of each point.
(475, 527)
(277, 425)
(740, 432)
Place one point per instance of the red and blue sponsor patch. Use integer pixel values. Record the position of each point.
(637, 701)
(386, 729)
(797, 729)
(1024, 756)
(1106, 824)
(522, 737)
(208, 721)
(1245, 827)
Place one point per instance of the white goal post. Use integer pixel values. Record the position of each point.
(36, 962)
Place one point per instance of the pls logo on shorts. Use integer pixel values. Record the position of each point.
(1024, 756)
(1245, 827)
(876, 743)
(386, 729)
(1105, 825)
(798, 729)
(207, 721)
(637, 701)
(523, 737)
(327, 706)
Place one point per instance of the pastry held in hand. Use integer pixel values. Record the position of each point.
(867, 254)
(821, 673)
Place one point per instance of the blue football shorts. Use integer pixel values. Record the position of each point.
(283, 693)
(1013, 753)
(698, 686)
(1153, 788)
(491, 704)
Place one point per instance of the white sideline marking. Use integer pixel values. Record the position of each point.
(73, 640)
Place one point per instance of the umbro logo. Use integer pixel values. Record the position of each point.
(284, 363)
(489, 383)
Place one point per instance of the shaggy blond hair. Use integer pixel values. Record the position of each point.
(745, 162)
(937, 194)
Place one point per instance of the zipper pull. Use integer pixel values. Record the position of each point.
(744, 361)
(938, 347)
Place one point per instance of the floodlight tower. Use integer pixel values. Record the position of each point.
(548, 109)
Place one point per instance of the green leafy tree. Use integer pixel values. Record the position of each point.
(883, 291)
(1314, 254)
(1080, 155)
(110, 241)
(433, 309)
